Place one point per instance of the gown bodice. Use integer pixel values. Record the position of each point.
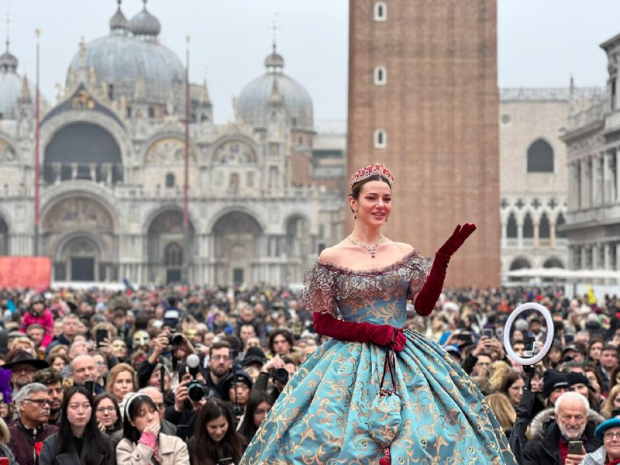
(376, 296)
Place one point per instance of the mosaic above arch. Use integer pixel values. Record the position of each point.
(79, 213)
(234, 152)
(170, 150)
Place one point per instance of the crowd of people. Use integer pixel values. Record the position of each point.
(144, 375)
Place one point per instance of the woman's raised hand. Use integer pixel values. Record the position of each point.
(456, 240)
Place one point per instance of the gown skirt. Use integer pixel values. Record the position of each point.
(322, 416)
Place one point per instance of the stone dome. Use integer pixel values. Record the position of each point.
(10, 90)
(256, 98)
(144, 25)
(122, 60)
(118, 22)
(11, 85)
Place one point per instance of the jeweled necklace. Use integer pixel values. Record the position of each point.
(372, 250)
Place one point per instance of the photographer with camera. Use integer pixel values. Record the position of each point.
(273, 377)
(166, 343)
(189, 397)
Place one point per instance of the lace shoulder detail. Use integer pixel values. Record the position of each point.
(379, 282)
(420, 269)
(319, 293)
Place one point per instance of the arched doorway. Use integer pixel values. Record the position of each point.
(81, 256)
(553, 263)
(4, 237)
(519, 263)
(166, 248)
(78, 232)
(237, 238)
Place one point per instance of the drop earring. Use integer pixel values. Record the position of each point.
(355, 215)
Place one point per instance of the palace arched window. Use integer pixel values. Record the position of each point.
(511, 227)
(540, 157)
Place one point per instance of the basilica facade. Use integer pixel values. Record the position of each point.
(112, 154)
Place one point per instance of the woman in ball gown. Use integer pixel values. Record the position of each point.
(358, 290)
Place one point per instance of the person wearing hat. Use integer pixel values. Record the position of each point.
(37, 313)
(236, 388)
(571, 419)
(576, 353)
(454, 352)
(555, 384)
(254, 356)
(578, 382)
(23, 366)
(609, 452)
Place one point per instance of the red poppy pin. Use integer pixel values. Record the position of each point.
(37, 447)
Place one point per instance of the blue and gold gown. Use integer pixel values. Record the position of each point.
(323, 413)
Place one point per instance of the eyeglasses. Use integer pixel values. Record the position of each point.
(612, 435)
(160, 406)
(24, 370)
(39, 402)
(225, 358)
(105, 409)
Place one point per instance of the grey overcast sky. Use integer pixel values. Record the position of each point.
(541, 43)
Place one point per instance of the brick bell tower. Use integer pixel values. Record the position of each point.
(423, 100)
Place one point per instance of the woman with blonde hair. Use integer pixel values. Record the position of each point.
(503, 409)
(23, 343)
(494, 377)
(122, 380)
(612, 402)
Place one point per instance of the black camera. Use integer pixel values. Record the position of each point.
(196, 390)
(175, 339)
(280, 375)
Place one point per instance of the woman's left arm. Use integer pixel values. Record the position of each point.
(426, 299)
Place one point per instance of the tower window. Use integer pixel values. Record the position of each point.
(380, 76)
(380, 139)
(170, 181)
(380, 11)
(111, 91)
(151, 112)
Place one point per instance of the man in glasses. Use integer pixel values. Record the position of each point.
(31, 428)
(23, 366)
(51, 379)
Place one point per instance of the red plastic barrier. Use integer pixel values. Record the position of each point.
(29, 272)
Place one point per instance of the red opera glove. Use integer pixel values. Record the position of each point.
(383, 335)
(427, 298)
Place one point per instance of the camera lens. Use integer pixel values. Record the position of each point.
(175, 339)
(195, 391)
